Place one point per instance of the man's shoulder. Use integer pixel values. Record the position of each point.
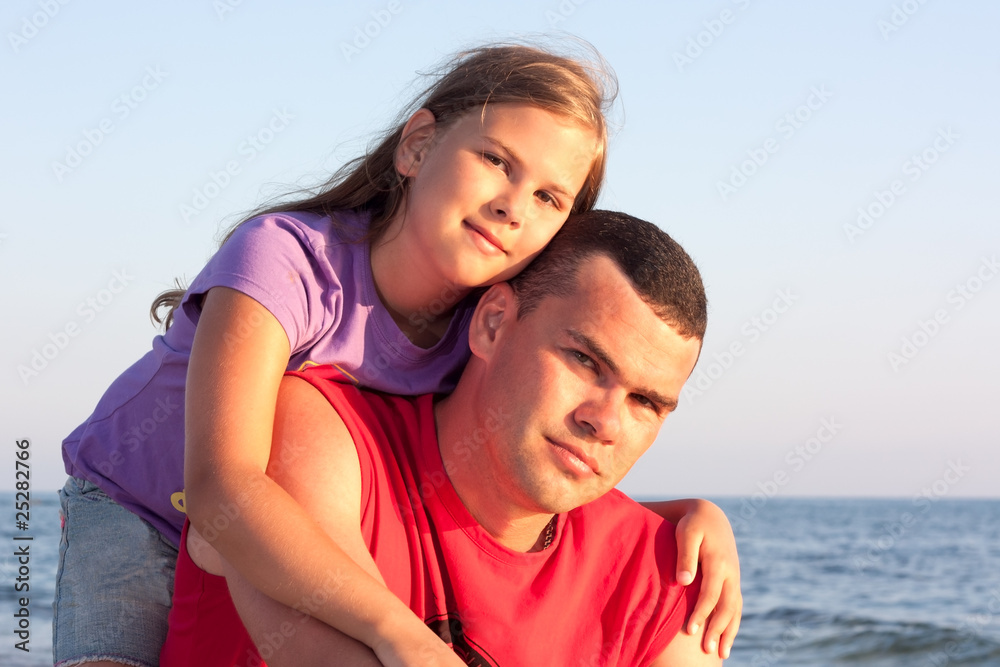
(358, 405)
(616, 506)
(332, 380)
(633, 552)
(623, 523)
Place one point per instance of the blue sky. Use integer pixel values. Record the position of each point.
(831, 167)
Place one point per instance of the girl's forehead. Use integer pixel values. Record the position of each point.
(530, 122)
(494, 112)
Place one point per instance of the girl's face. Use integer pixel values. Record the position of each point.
(490, 190)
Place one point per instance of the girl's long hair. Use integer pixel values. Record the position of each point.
(579, 88)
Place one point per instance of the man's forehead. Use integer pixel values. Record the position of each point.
(601, 288)
(605, 311)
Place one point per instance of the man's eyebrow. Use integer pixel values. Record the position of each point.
(555, 187)
(602, 355)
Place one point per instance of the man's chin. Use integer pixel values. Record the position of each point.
(567, 501)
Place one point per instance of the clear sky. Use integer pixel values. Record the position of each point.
(832, 167)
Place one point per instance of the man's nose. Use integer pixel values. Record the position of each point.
(600, 414)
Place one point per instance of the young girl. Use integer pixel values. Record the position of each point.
(377, 274)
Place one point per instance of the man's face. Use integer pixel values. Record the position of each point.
(582, 385)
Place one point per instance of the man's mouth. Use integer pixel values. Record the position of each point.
(575, 458)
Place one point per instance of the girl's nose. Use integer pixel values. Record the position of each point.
(509, 207)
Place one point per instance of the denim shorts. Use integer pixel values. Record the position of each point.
(114, 585)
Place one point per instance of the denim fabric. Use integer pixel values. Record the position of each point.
(114, 585)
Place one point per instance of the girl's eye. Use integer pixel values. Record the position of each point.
(493, 159)
(547, 198)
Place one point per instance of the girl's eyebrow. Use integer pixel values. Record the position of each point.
(602, 355)
(515, 158)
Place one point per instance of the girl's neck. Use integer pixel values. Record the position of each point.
(420, 304)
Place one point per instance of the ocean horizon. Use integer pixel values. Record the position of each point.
(826, 581)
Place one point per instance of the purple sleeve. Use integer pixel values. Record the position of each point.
(278, 261)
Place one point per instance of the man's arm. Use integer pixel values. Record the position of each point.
(685, 649)
(705, 540)
(314, 459)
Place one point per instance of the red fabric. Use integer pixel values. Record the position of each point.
(204, 626)
(594, 597)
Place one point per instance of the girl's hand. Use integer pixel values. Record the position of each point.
(705, 536)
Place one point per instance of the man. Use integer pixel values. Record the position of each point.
(491, 511)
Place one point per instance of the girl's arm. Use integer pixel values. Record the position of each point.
(314, 459)
(238, 358)
(704, 535)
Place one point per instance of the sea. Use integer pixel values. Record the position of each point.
(877, 582)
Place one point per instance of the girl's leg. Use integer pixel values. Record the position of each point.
(114, 584)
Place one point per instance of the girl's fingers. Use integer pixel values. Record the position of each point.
(724, 624)
(688, 548)
(707, 599)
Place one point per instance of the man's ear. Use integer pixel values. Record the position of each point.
(415, 142)
(496, 311)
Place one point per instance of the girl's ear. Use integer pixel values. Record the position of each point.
(415, 142)
(494, 315)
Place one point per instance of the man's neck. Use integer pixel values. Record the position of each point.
(485, 497)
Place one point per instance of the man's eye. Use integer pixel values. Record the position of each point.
(647, 403)
(582, 358)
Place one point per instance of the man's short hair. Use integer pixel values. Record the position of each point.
(663, 275)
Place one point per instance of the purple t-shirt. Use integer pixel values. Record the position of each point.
(317, 282)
